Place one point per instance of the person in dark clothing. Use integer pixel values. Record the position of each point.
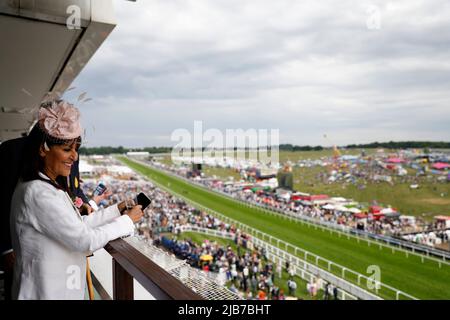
(335, 293)
(275, 293)
(11, 159)
(326, 293)
(74, 185)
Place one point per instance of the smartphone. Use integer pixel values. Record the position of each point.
(143, 200)
(100, 189)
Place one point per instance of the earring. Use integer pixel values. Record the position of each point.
(46, 148)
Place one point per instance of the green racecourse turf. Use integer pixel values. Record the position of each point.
(422, 280)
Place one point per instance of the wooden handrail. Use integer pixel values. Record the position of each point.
(129, 263)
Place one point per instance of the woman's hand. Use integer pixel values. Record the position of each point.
(101, 197)
(135, 213)
(122, 207)
(86, 209)
(126, 204)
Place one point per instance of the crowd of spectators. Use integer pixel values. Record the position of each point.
(246, 270)
(429, 234)
(429, 238)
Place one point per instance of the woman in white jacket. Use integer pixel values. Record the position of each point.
(50, 237)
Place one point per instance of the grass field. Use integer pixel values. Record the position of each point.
(425, 202)
(301, 291)
(422, 280)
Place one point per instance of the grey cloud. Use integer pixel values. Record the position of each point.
(305, 67)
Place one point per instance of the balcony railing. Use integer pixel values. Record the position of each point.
(156, 271)
(129, 263)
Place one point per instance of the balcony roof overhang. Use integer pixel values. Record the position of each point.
(40, 53)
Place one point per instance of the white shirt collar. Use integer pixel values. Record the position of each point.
(43, 176)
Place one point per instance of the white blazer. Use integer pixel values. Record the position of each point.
(51, 241)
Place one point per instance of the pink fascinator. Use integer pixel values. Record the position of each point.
(61, 120)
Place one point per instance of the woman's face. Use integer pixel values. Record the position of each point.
(59, 159)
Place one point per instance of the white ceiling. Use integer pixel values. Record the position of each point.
(32, 55)
(38, 54)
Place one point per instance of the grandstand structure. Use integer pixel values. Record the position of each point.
(44, 47)
(433, 273)
(59, 53)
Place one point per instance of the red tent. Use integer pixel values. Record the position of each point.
(375, 209)
(395, 160)
(319, 197)
(440, 165)
(311, 197)
(378, 216)
(442, 218)
(445, 219)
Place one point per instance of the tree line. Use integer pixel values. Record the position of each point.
(121, 150)
(403, 145)
(282, 147)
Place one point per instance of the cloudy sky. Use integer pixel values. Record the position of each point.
(355, 71)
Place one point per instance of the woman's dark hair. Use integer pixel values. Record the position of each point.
(32, 161)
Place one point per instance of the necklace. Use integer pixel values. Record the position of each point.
(44, 177)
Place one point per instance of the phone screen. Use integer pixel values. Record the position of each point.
(143, 200)
(100, 189)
